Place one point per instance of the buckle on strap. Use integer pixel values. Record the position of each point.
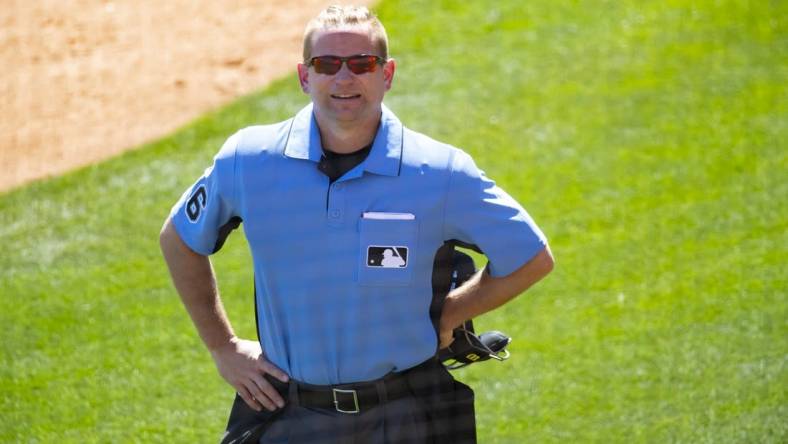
(344, 393)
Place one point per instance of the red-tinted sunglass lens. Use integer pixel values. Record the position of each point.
(362, 64)
(358, 64)
(327, 64)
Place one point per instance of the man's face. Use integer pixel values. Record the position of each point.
(346, 99)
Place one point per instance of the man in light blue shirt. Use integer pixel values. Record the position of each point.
(346, 212)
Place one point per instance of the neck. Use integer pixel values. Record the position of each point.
(347, 138)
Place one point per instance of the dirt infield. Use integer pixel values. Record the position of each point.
(84, 80)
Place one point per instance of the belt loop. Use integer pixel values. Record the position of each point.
(292, 392)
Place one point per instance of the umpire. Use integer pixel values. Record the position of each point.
(351, 219)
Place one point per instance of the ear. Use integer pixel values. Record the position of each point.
(303, 77)
(388, 72)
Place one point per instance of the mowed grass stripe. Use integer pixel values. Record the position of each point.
(647, 139)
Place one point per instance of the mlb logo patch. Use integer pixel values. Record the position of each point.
(388, 256)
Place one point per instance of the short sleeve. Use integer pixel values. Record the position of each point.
(209, 203)
(479, 212)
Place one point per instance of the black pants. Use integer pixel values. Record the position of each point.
(439, 410)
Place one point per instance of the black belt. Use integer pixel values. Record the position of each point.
(354, 398)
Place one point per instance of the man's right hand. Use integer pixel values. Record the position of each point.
(242, 364)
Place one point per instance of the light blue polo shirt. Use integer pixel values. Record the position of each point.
(343, 271)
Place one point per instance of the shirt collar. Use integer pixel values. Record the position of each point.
(384, 158)
(303, 142)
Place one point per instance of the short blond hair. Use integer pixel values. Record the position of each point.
(336, 16)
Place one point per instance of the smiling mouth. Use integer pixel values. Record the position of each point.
(345, 96)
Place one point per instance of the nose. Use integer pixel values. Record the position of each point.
(344, 74)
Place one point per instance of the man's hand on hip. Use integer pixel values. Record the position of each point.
(242, 364)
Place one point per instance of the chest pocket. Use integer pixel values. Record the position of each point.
(386, 251)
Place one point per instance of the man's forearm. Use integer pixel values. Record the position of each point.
(483, 292)
(195, 282)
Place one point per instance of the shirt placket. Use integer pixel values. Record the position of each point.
(335, 211)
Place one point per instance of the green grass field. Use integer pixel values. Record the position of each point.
(646, 138)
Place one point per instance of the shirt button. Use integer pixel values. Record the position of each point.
(338, 186)
(334, 214)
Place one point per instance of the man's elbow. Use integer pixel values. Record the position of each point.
(534, 270)
(547, 261)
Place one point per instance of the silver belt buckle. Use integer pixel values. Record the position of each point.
(336, 401)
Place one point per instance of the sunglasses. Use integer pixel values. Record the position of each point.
(357, 64)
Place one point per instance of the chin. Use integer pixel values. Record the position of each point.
(349, 116)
